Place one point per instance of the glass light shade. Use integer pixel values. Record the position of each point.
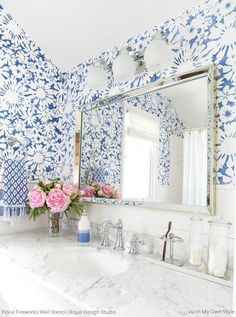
(123, 67)
(96, 77)
(157, 54)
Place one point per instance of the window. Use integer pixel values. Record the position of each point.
(141, 140)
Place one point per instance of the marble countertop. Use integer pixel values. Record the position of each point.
(147, 288)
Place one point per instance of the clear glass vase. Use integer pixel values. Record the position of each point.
(218, 249)
(195, 243)
(54, 223)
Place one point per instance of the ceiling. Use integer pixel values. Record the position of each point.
(71, 31)
(190, 95)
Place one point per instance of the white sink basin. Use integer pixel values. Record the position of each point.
(86, 262)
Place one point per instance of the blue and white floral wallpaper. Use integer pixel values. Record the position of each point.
(200, 36)
(101, 144)
(38, 103)
(32, 102)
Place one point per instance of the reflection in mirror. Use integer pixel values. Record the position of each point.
(154, 146)
(140, 149)
(165, 145)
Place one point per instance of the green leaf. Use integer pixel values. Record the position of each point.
(66, 214)
(78, 208)
(37, 212)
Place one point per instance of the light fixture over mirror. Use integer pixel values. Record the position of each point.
(97, 76)
(124, 66)
(157, 54)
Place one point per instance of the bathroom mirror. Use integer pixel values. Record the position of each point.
(155, 144)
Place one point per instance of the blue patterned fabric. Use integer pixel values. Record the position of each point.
(1, 200)
(99, 174)
(14, 188)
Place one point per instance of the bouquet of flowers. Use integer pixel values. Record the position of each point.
(56, 197)
(101, 190)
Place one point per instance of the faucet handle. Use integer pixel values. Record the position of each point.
(119, 243)
(134, 243)
(172, 238)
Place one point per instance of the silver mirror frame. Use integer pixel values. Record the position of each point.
(175, 79)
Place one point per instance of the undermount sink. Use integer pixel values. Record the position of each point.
(86, 262)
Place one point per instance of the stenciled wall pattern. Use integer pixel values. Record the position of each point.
(37, 102)
(102, 135)
(101, 144)
(32, 103)
(202, 35)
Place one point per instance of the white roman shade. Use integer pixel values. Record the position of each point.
(142, 125)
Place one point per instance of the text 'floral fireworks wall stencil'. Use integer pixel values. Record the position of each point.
(101, 155)
(38, 103)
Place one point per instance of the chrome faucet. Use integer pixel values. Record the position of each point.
(105, 230)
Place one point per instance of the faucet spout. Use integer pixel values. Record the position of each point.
(105, 225)
(105, 231)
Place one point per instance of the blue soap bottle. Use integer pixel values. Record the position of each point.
(83, 234)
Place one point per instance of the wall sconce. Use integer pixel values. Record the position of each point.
(97, 76)
(157, 54)
(124, 66)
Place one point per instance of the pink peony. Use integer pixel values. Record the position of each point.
(36, 198)
(88, 191)
(57, 200)
(69, 189)
(106, 190)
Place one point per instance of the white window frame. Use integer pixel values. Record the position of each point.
(154, 161)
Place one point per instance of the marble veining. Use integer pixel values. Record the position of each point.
(145, 289)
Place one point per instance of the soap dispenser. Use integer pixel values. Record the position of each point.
(83, 234)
